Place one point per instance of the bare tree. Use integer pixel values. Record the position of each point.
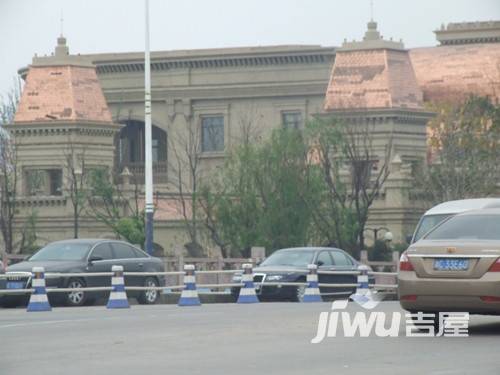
(353, 173)
(9, 102)
(9, 175)
(75, 175)
(369, 171)
(9, 178)
(186, 147)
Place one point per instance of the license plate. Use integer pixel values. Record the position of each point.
(451, 264)
(15, 285)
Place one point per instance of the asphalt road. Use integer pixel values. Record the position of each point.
(267, 338)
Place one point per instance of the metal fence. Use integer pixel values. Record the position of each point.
(180, 285)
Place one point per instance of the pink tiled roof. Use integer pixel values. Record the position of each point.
(372, 78)
(449, 73)
(65, 92)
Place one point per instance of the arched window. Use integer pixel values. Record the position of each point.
(130, 149)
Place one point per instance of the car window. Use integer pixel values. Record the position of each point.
(467, 227)
(340, 259)
(289, 258)
(62, 251)
(123, 251)
(325, 258)
(102, 251)
(139, 253)
(427, 223)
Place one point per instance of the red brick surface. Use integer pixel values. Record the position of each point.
(68, 93)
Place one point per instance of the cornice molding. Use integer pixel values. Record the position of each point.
(216, 62)
(62, 128)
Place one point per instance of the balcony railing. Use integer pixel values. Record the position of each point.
(160, 170)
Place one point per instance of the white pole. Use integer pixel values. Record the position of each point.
(148, 142)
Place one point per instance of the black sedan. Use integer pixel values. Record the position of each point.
(290, 265)
(2, 280)
(85, 256)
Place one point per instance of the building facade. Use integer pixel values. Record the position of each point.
(213, 98)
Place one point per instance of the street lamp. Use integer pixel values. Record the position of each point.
(148, 159)
(387, 236)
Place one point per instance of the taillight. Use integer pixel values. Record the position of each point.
(495, 267)
(404, 263)
(409, 297)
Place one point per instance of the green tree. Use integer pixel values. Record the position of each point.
(257, 198)
(112, 207)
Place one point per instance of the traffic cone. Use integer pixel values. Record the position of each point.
(118, 296)
(247, 293)
(364, 296)
(38, 299)
(311, 293)
(189, 296)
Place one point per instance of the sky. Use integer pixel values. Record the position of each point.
(93, 26)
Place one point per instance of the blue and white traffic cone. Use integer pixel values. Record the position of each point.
(364, 296)
(189, 295)
(118, 296)
(311, 293)
(247, 293)
(38, 299)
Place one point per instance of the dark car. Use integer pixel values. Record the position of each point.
(85, 256)
(290, 265)
(2, 280)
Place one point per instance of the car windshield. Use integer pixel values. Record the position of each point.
(468, 227)
(289, 258)
(427, 223)
(62, 251)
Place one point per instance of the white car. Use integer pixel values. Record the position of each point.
(442, 211)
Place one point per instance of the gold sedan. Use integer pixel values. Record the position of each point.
(455, 266)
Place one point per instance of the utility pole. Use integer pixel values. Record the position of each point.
(148, 183)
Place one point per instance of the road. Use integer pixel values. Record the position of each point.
(266, 338)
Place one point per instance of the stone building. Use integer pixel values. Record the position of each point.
(212, 97)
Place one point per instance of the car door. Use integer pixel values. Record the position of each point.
(325, 263)
(124, 255)
(104, 252)
(341, 262)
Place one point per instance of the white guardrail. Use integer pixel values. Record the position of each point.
(51, 275)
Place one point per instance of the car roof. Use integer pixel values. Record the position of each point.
(459, 206)
(309, 248)
(485, 211)
(87, 240)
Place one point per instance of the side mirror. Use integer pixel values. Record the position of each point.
(93, 259)
(319, 263)
(408, 239)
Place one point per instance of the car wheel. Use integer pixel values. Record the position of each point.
(149, 297)
(76, 298)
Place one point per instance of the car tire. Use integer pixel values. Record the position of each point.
(149, 297)
(75, 298)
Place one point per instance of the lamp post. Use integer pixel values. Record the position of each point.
(377, 230)
(148, 183)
